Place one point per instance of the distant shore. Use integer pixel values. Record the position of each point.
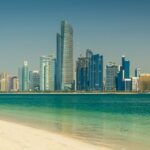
(18, 137)
(75, 93)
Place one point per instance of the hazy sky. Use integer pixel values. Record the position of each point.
(110, 27)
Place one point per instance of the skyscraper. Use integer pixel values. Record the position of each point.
(14, 84)
(89, 55)
(20, 78)
(52, 78)
(95, 71)
(65, 57)
(25, 77)
(47, 73)
(4, 82)
(111, 74)
(34, 80)
(89, 72)
(58, 63)
(81, 74)
(44, 73)
(119, 79)
(127, 85)
(126, 67)
(123, 76)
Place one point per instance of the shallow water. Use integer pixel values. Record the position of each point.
(118, 121)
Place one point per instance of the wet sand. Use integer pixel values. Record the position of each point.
(14, 136)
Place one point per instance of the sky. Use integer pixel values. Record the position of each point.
(110, 27)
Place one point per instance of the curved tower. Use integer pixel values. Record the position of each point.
(67, 55)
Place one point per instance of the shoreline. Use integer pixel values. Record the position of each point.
(16, 136)
(73, 93)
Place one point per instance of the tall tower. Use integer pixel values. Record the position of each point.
(95, 71)
(44, 73)
(25, 77)
(111, 74)
(58, 62)
(20, 78)
(34, 79)
(89, 72)
(123, 76)
(47, 73)
(65, 57)
(4, 82)
(81, 73)
(126, 67)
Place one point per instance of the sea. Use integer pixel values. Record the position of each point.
(119, 121)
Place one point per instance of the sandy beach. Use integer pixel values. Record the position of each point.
(20, 137)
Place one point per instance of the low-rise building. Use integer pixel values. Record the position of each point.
(135, 84)
(144, 82)
(127, 85)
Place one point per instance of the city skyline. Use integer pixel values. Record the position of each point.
(111, 28)
(56, 74)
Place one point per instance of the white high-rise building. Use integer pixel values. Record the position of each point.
(25, 76)
(4, 82)
(13, 84)
(20, 78)
(47, 73)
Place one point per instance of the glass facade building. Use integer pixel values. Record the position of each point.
(58, 63)
(25, 77)
(111, 74)
(44, 76)
(81, 74)
(47, 73)
(67, 55)
(123, 75)
(127, 85)
(52, 67)
(119, 80)
(34, 79)
(95, 71)
(126, 67)
(20, 78)
(89, 72)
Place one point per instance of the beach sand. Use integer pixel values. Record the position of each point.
(14, 136)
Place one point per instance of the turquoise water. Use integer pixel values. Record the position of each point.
(118, 121)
